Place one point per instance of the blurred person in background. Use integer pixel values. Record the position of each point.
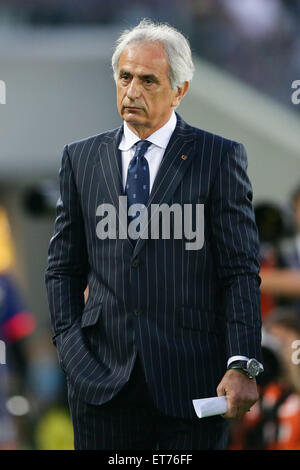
(273, 423)
(290, 249)
(281, 278)
(16, 324)
(32, 392)
(272, 227)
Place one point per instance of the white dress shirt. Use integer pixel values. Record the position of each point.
(154, 155)
(155, 152)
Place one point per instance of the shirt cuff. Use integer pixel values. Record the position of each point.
(237, 358)
(240, 358)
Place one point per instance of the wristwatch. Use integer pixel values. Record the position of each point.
(252, 368)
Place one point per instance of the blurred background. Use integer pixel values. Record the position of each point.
(55, 63)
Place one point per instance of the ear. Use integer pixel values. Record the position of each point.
(180, 92)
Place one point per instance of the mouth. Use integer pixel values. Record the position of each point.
(132, 108)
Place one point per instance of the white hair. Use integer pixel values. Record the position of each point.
(176, 46)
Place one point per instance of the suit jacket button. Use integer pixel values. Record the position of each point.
(135, 263)
(137, 311)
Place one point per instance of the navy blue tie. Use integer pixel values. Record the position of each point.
(138, 177)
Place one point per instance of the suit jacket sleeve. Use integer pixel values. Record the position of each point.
(236, 246)
(66, 274)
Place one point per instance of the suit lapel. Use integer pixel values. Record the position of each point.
(109, 166)
(176, 160)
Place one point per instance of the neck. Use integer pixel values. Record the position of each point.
(143, 132)
(140, 131)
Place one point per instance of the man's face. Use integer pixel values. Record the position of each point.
(145, 98)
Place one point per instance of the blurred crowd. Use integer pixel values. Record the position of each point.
(274, 421)
(255, 40)
(33, 400)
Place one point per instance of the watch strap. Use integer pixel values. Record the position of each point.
(239, 365)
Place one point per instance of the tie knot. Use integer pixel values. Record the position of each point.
(141, 148)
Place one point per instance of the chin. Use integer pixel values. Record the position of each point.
(136, 114)
(132, 119)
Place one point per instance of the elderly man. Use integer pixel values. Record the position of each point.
(165, 321)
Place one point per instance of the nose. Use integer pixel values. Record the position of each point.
(133, 90)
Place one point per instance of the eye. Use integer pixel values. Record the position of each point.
(148, 81)
(124, 77)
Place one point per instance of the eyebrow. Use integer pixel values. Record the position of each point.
(149, 76)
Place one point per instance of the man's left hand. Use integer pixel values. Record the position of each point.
(240, 391)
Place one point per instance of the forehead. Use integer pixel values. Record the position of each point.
(144, 58)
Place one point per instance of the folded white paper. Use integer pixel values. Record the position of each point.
(210, 406)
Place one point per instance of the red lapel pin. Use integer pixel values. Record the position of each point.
(184, 157)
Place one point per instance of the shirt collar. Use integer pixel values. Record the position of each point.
(160, 137)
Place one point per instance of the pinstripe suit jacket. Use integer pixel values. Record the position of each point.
(184, 312)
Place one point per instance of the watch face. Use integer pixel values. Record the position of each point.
(253, 367)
